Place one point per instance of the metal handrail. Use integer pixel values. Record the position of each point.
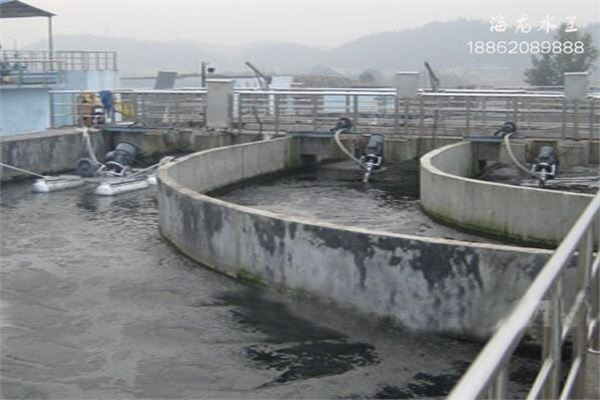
(73, 59)
(495, 355)
(457, 113)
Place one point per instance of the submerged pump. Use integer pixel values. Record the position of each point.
(545, 164)
(372, 155)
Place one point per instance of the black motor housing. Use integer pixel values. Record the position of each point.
(344, 123)
(124, 154)
(546, 163)
(373, 153)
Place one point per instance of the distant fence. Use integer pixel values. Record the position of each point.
(151, 108)
(69, 59)
(20, 72)
(455, 113)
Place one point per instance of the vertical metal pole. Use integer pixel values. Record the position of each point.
(74, 111)
(176, 108)
(347, 104)
(421, 115)
(484, 111)
(203, 74)
(501, 383)
(406, 116)
(528, 111)
(515, 110)
(592, 104)
(580, 344)
(143, 108)
(551, 346)
(314, 112)
(576, 119)
(51, 98)
(595, 302)
(396, 114)
(50, 42)
(564, 119)
(276, 100)
(240, 109)
(468, 118)
(355, 104)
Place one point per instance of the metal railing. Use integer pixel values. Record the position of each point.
(450, 113)
(149, 108)
(21, 72)
(69, 59)
(488, 374)
(457, 113)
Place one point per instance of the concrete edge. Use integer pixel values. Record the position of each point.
(425, 162)
(165, 178)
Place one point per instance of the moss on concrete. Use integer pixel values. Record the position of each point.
(489, 230)
(250, 277)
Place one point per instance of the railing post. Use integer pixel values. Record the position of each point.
(484, 111)
(406, 116)
(276, 100)
(347, 105)
(396, 114)
(501, 383)
(240, 110)
(580, 342)
(576, 119)
(176, 108)
(564, 119)
(551, 346)
(314, 112)
(355, 112)
(468, 117)
(592, 118)
(51, 99)
(421, 114)
(594, 343)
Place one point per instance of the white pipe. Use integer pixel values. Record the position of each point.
(517, 163)
(88, 144)
(344, 149)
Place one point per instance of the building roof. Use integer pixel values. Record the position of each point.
(18, 9)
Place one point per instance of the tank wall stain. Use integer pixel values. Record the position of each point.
(46, 153)
(425, 284)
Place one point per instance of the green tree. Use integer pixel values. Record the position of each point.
(548, 69)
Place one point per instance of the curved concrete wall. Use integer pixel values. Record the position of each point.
(423, 283)
(527, 214)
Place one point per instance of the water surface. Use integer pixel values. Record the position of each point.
(95, 304)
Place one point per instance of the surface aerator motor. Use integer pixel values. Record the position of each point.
(117, 162)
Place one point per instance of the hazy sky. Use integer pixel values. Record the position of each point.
(322, 23)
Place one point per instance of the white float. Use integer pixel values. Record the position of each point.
(53, 184)
(115, 188)
(151, 179)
